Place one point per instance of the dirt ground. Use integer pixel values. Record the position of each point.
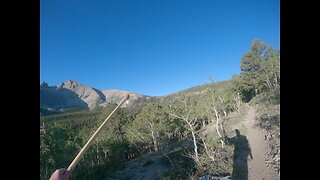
(257, 169)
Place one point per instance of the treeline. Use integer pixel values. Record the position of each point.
(201, 119)
(261, 70)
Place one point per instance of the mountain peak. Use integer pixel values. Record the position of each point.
(44, 84)
(70, 84)
(72, 94)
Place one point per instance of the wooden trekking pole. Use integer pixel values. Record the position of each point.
(90, 141)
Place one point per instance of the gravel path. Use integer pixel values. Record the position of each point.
(257, 167)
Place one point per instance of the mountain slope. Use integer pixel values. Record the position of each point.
(59, 97)
(135, 99)
(74, 94)
(87, 94)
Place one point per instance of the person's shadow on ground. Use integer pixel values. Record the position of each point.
(240, 156)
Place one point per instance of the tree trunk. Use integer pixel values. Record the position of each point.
(195, 146)
(203, 123)
(269, 84)
(207, 151)
(238, 102)
(46, 169)
(97, 156)
(217, 126)
(193, 136)
(154, 141)
(255, 91)
(194, 141)
(276, 80)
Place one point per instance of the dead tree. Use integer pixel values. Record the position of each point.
(191, 128)
(190, 122)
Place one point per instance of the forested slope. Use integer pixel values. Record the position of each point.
(196, 122)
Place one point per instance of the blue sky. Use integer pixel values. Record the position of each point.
(151, 47)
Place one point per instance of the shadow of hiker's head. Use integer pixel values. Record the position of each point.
(237, 132)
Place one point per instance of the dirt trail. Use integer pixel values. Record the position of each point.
(257, 167)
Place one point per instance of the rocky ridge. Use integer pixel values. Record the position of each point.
(71, 94)
(74, 94)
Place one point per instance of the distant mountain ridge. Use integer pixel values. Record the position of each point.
(72, 94)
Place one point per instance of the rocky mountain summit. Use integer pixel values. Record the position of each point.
(74, 94)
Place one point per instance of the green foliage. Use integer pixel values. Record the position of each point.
(114, 129)
(268, 107)
(261, 70)
(57, 149)
(156, 126)
(251, 60)
(66, 134)
(151, 126)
